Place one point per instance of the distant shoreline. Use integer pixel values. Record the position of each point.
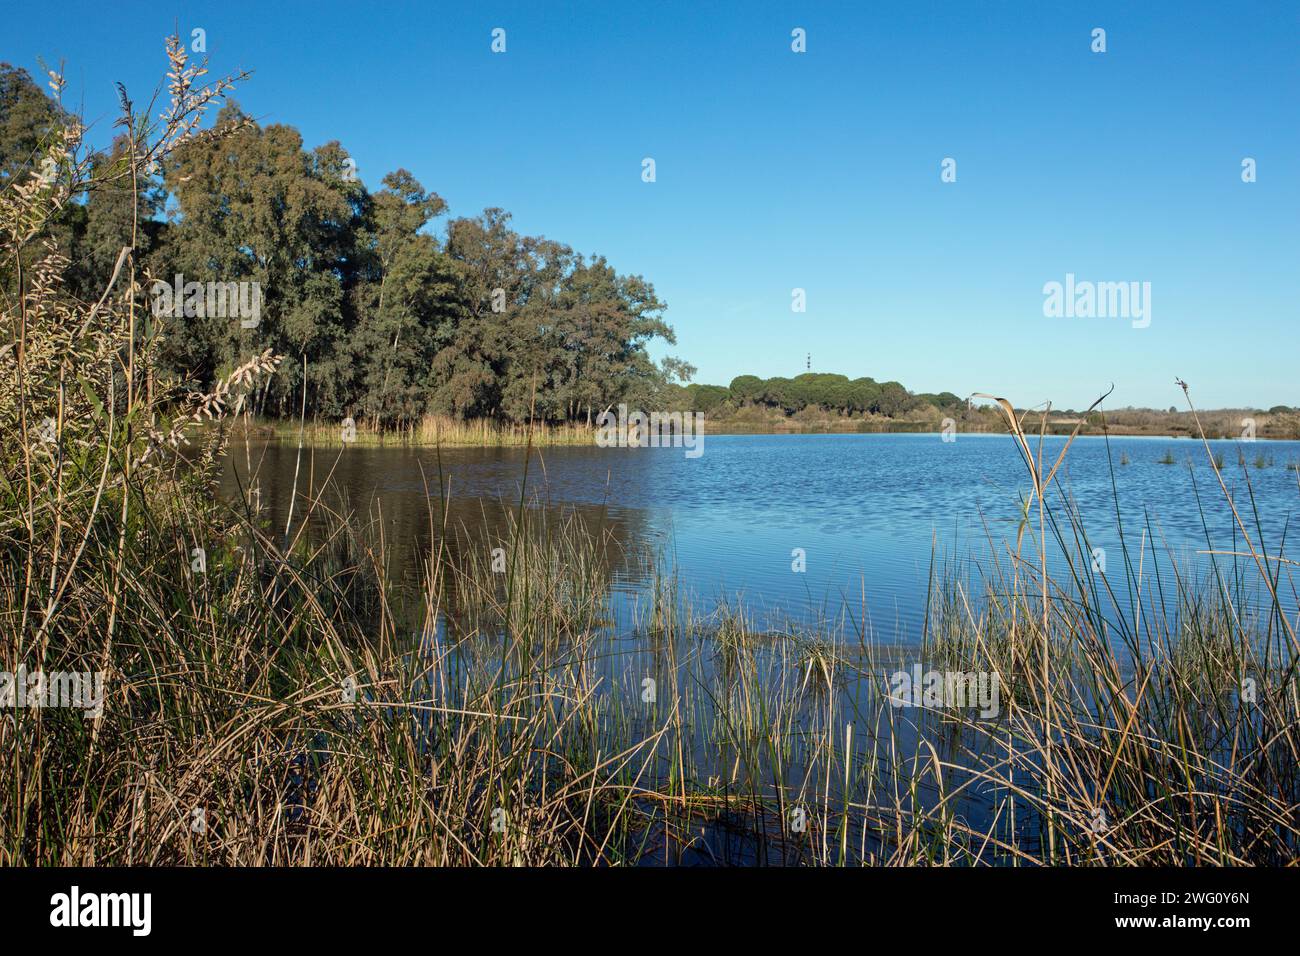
(484, 433)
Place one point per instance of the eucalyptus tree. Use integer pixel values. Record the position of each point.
(255, 206)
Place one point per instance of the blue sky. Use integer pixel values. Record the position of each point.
(821, 170)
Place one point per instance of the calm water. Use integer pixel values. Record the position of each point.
(868, 511)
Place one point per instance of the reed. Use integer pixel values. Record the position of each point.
(429, 431)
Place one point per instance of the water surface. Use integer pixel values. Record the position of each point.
(868, 513)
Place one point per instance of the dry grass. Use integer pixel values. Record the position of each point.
(431, 430)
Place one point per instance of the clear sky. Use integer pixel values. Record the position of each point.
(821, 170)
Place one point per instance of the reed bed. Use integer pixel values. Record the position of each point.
(428, 431)
(311, 710)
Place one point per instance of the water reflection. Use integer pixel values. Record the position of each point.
(868, 513)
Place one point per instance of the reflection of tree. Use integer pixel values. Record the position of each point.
(391, 502)
(610, 545)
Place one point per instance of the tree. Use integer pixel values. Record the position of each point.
(29, 120)
(404, 300)
(111, 220)
(746, 388)
(31, 124)
(894, 400)
(254, 207)
(944, 401)
(389, 321)
(864, 395)
(708, 398)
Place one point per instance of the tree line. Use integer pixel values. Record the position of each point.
(819, 390)
(379, 314)
(386, 316)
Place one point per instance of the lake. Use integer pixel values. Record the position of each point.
(865, 514)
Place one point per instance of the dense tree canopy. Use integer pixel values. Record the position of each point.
(388, 318)
(820, 390)
(27, 120)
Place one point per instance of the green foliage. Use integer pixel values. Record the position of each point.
(944, 401)
(746, 388)
(833, 393)
(708, 398)
(28, 119)
(387, 320)
(31, 133)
